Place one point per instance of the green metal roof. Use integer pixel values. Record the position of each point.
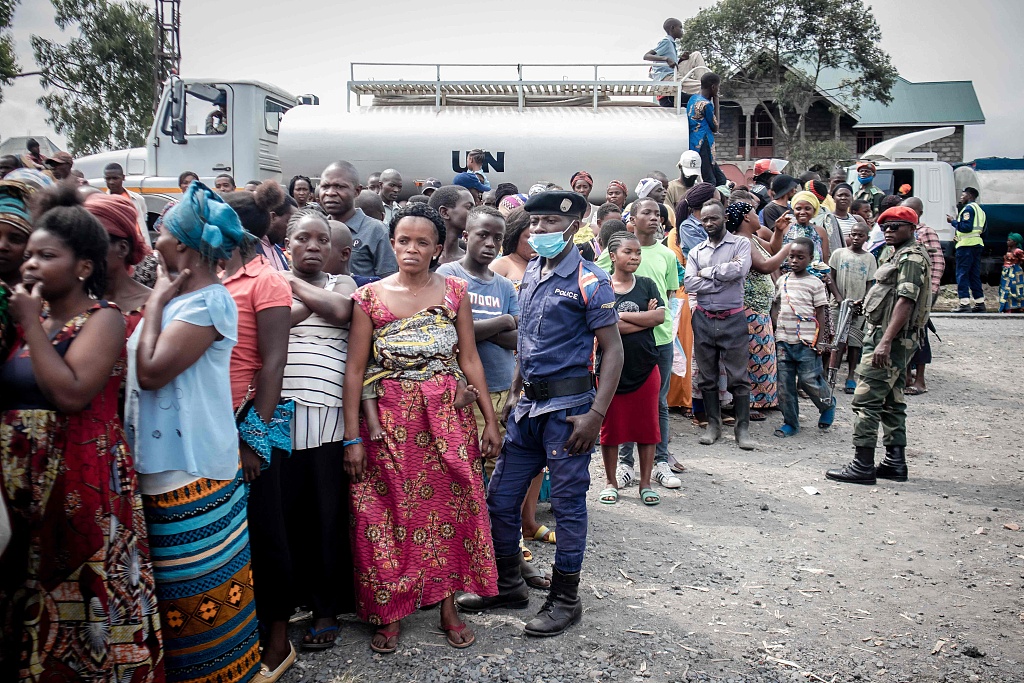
(939, 103)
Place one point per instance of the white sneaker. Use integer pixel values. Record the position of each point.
(664, 476)
(624, 476)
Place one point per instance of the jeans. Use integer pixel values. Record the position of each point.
(709, 171)
(531, 443)
(665, 352)
(799, 364)
(968, 273)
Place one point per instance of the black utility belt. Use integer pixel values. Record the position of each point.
(553, 388)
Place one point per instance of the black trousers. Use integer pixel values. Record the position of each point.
(272, 571)
(317, 515)
(709, 171)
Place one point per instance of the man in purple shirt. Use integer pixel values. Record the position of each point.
(715, 271)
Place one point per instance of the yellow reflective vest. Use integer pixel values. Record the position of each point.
(969, 226)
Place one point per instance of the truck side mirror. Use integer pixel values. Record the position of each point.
(177, 111)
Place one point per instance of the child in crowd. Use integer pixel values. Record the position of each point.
(609, 228)
(1011, 285)
(633, 413)
(853, 272)
(800, 339)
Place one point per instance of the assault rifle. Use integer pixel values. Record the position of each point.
(847, 311)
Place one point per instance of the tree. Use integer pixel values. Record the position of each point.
(100, 84)
(781, 48)
(8, 59)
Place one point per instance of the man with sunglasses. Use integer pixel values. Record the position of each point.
(896, 308)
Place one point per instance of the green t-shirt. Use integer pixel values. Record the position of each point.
(657, 262)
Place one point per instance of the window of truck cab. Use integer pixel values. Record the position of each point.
(273, 111)
(203, 115)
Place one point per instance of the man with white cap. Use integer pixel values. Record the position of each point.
(689, 175)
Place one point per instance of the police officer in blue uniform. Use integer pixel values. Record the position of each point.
(554, 412)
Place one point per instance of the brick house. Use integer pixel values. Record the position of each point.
(747, 133)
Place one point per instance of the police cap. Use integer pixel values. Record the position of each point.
(557, 203)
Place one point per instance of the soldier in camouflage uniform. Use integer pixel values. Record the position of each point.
(896, 308)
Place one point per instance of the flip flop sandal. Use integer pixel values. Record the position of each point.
(448, 630)
(914, 391)
(527, 555)
(757, 416)
(609, 496)
(676, 466)
(786, 431)
(544, 535)
(534, 577)
(649, 497)
(316, 633)
(850, 387)
(388, 635)
(827, 416)
(265, 675)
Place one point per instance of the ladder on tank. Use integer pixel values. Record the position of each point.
(442, 90)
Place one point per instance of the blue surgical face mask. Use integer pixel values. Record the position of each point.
(867, 179)
(549, 244)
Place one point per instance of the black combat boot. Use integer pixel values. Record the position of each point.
(979, 308)
(894, 466)
(713, 409)
(512, 590)
(561, 610)
(860, 471)
(741, 408)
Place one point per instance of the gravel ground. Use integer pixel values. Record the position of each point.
(742, 576)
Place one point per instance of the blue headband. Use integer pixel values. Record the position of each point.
(204, 222)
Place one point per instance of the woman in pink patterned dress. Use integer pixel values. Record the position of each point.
(420, 529)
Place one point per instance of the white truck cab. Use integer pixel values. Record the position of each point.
(930, 180)
(207, 126)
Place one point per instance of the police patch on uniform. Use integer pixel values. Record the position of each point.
(565, 205)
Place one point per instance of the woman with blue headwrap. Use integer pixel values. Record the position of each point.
(180, 422)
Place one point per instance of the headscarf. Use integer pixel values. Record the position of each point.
(695, 197)
(619, 184)
(14, 204)
(35, 180)
(581, 175)
(1015, 236)
(735, 213)
(646, 186)
(808, 197)
(510, 203)
(119, 216)
(204, 222)
(504, 190)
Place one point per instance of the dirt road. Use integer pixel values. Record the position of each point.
(742, 575)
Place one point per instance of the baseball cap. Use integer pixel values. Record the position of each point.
(60, 158)
(428, 186)
(773, 166)
(689, 163)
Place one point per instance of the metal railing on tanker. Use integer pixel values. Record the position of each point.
(519, 91)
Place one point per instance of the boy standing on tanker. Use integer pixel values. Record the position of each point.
(565, 303)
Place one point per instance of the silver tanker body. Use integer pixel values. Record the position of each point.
(524, 147)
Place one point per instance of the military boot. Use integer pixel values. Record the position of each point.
(512, 590)
(741, 408)
(561, 610)
(860, 471)
(713, 409)
(894, 466)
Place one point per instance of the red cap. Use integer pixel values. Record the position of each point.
(898, 213)
(865, 164)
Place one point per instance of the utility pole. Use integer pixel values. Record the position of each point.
(167, 46)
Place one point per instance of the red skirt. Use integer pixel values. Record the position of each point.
(633, 417)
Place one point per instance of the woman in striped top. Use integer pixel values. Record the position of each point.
(318, 507)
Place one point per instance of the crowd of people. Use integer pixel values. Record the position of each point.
(324, 397)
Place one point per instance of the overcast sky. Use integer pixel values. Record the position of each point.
(929, 40)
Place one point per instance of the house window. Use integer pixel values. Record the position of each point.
(763, 130)
(866, 139)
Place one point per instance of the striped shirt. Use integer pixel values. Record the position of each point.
(317, 351)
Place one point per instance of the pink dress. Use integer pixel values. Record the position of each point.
(420, 528)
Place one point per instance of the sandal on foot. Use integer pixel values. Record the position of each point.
(527, 555)
(388, 636)
(914, 391)
(312, 633)
(448, 630)
(534, 577)
(786, 430)
(265, 675)
(827, 416)
(544, 535)
(851, 386)
(609, 496)
(757, 416)
(649, 497)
